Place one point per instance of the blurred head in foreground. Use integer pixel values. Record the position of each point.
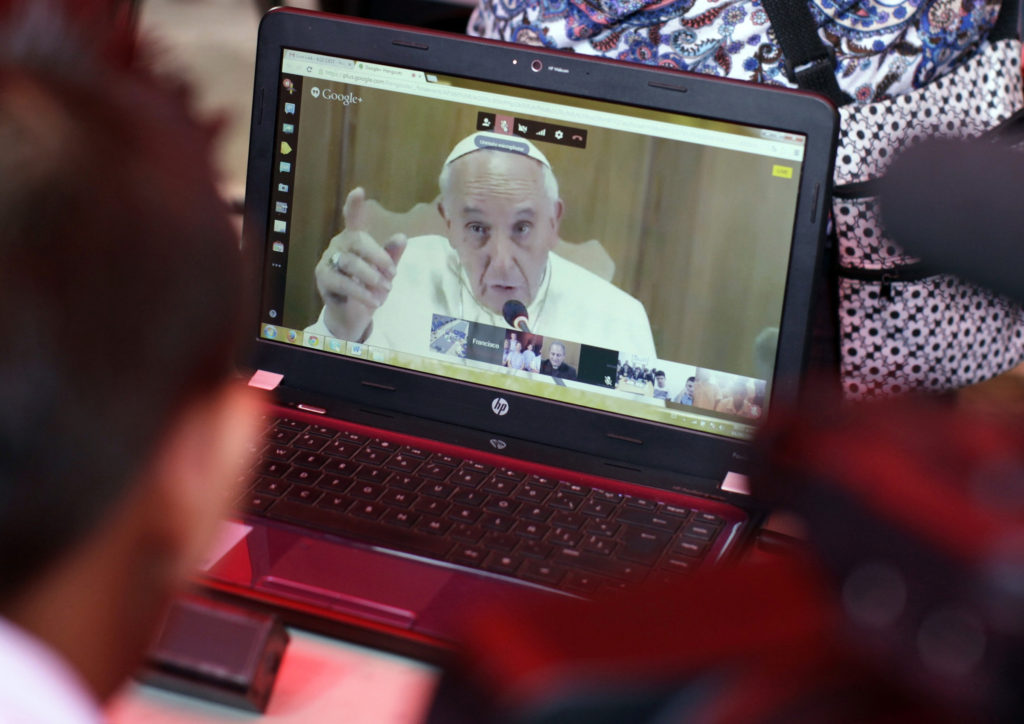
(121, 292)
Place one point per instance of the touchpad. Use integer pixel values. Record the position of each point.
(376, 586)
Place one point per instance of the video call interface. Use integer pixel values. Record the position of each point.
(625, 260)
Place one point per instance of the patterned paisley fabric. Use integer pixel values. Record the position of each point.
(883, 47)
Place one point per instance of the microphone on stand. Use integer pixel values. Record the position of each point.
(515, 314)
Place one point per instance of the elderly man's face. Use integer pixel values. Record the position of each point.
(557, 355)
(501, 223)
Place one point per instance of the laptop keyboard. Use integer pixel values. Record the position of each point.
(551, 532)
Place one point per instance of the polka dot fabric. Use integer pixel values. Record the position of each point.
(896, 332)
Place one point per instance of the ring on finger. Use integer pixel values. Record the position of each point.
(335, 262)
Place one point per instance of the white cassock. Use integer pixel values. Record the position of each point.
(572, 304)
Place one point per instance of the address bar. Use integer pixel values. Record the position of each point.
(401, 81)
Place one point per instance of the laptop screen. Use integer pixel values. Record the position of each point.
(620, 259)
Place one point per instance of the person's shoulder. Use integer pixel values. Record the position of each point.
(582, 281)
(428, 245)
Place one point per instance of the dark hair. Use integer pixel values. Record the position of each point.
(121, 289)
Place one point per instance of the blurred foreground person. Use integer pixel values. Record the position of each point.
(904, 602)
(121, 428)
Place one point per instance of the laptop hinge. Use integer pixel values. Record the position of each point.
(264, 380)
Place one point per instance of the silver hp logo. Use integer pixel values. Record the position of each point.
(498, 444)
(499, 406)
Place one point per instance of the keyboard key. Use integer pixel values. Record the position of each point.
(468, 478)
(621, 570)
(403, 463)
(308, 441)
(334, 483)
(466, 532)
(642, 503)
(534, 549)
(353, 437)
(565, 501)
(372, 456)
(709, 518)
(342, 467)
(436, 471)
(281, 437)
(307, 496)
(499, 486)
(598, 545)
(650, 520)
(431, 506)
(563, 519)
(541, 482)
(303, 477)
(701, 531)
(536, 513)
(675, 510)
(310, 461)
(540, 572)
(372, 475)
(679, 564)
(413, 452)
(399, 498)
(497, 522)
(469, 498)
(644, 546)
(501, 505)
(563, 537)
(598, 508)
(532, 530)
(606, 528)
(404, 482)
(502, 563)
(254, 503)
(468, 555)
(690, 548)
(464, 515)
(401, 518)
(271, 487)
(371, 511)
(438, 490)
(340, 448)
(532, 493)
(272, 468)
(282, 453)
(372, 532)
(367, 491)
(337, 503)
(436, 526)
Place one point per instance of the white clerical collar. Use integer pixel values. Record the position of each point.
(39, 686)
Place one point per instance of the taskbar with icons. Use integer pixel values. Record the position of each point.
(302, 338)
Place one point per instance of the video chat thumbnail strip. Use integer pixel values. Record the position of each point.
(523, 351)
